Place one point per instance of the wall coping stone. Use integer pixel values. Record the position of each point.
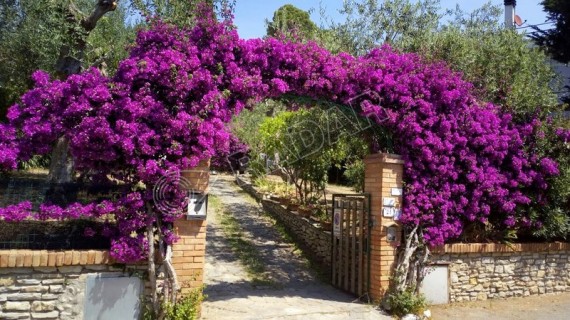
(500, 247)
(386, 158)
(48, 258)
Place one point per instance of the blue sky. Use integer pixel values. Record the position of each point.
(250, 15)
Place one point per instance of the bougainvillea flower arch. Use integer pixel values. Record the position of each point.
(167, 106)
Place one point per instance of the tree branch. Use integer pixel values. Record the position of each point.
(103, 6)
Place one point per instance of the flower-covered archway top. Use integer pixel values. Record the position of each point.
(167, 106)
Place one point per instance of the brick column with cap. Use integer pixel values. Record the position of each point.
(383, 181)
(189, 251)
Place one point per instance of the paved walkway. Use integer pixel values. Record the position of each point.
(300, 295)
(543, 307)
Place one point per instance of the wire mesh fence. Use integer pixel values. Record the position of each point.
(51, 235)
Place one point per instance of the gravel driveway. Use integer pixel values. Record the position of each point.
(299, 294)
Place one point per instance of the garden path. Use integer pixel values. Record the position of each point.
(295, 291)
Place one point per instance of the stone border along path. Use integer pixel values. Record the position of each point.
(298, 294)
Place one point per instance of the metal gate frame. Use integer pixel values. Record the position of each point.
(366, 247)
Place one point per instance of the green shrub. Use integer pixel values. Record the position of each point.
(406, 302)
(187, 307)
(355, 175)
(256, 167)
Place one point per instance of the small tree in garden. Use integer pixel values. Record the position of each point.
(309, 142)
(167, 106)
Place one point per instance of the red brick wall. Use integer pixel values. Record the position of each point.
(188, 253)
(382, 173)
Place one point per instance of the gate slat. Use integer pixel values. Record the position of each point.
(354, 265)
(334, 257)
(340, 245)
(361, 224)
(350, 244)
(346, 233)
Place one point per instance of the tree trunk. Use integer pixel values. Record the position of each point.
(62, 165)
(155, 305)
(412, 260)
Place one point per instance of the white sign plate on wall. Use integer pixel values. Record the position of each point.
(388, 212)
(397, 191)
(389, 202)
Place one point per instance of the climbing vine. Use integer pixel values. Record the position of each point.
(167, 106)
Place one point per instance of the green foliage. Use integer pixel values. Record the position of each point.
(370, 23)
(291, 22)
(180, 12)
(502, 64)
(309, 142)
(186, 308)
(354, 173)
(556, 40)
(406, 302)
(246, 125)
(256, 167)
(555, 214)
(109, 41)
(32, 33)
(35, 162)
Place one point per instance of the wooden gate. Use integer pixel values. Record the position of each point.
(350, 243)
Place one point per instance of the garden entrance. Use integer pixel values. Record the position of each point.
(254, 271)
(350, 243)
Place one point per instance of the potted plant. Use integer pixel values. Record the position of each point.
(304, 211)
(321, 215)
(284, 200)
(326, 225)
(293, 205)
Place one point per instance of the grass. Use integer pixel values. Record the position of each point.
(322, 275)
(243, 248)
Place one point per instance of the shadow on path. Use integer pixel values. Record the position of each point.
(295, 292)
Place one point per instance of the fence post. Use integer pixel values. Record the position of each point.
(188, 253)
(383, 181)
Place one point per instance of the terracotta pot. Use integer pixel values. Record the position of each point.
(326, 225)
(293, 207)
(304, 212)
(196, 179)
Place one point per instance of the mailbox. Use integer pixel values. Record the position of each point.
(393, 231)
(392, 234)
(197, 206)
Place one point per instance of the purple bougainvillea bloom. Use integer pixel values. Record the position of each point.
(167, 106)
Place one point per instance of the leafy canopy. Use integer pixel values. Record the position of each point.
(556, 40)
(291, 22)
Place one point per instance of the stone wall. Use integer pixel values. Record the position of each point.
(488, 271)
(50, 285)
(314, 241)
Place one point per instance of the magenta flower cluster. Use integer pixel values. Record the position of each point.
(167, 106)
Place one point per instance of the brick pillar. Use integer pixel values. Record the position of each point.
(189, 251)
(383, 179)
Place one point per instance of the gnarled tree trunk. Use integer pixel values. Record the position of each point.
(410, 267)
(69, 62)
